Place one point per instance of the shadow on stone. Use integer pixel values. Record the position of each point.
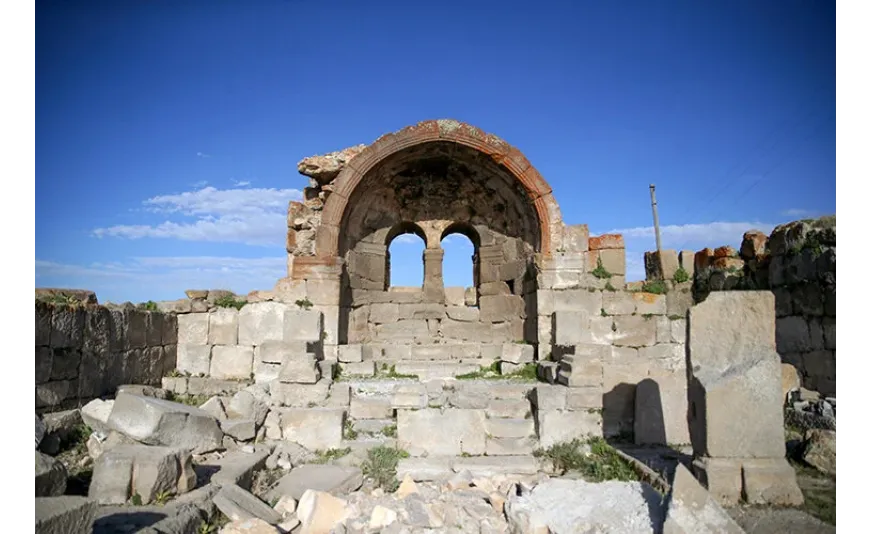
(126, 522)
(649, 420)
(618, 412)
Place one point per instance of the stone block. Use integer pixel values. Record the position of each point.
(618, 399)
(147, 471)
(238, 468)
(404, 330)
(425, 469)
(276, 352)
(68, 327)
(511, 408)
(661, 410)
(510, 428)
(330, 478)
(466, 331)
(454, 296)
(65, 515)
(517, 353)
(557, 426)
(431, 352)
(679, 300)
(50, 476)
(793, 334)
(300, 395)
(612, 260)
(213, 386)
(692, 510)
(193, 359)
(463, 313)
(618, 303)
(448, 432)
(634, 331)
(240, 505)
(571, 327)
(350, 353)
(722, 477)
(319, 512)
(193, 329)
(228, 362)
(370, 408)
(239, 429)
(510, 446)
(169, 335)
(664, 355)
(159, 422)
(314, 428)
(65, 363)
(549, 398)
(260, 322)
(584, 399)
(54, 393)
(573, 300)
(771, 481)
(469, 351)
(358, 369)
(735, 377)
(223, 326)
(501, 308)
(383, 313)
(153, 329)
(409, 396)
(43, 323)
(300, 369)
(649, 303)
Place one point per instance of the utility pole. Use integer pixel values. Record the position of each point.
(652, 194)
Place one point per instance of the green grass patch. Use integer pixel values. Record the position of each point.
(229, 301)
(391, 431)
(324, 457)
(305, 304)
(380, 466)
(656, 287)
(600, 271)
(599, 464)
(681, 276)
(190, 400)
(349, 431)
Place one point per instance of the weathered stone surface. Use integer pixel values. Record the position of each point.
(160, 422)
(260, 322)
(250, 526)
(735, 377)
(459, 431)
(661, 410)
(333, 479)
(240, 505)
(549, 398)
(560, 425)
(250, 403)
(350, 353)
(314, 429)
(231, 362)
(634, 331)
(370, 408)
(193, 329)
(691, 510)
(425, 469)
(193, 359)
(50, 476)
(723, 478)
(40, 431)
(325, 168)
(791, 380)
(563, 506)
(771, 481)
(129, 470)
(65, 515)
(67, 327)
(820, 450)
(510, 428)
(299, 369)
(300, 395)
(500, 308)
(239, 429)
(463, 313)
(584, 399)
(223, 326)
(238, 468)
(319, 512)
(482, 466)
(518, 353)
(304, 325)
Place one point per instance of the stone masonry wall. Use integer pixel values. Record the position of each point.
(85, 351)
(797, 262)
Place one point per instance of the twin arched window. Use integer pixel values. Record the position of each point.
(405, 245)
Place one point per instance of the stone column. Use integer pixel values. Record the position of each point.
(433, 277)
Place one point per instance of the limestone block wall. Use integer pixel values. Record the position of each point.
(85, 351)
(248, 343)
(797, 262)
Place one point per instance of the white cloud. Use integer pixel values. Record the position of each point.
(457, 240)
(203, 155)
(251, 216)
(681, 237)
(407, 239)
(163, 278)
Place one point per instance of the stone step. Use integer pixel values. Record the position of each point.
(509, 408)
(435, 370)
(503, 427)
(511, 446)
(363, 444)
(442, 468)
(372, 426)
(370, 408)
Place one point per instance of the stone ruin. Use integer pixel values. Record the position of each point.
(465, 385)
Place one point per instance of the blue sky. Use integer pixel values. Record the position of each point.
(168, 133)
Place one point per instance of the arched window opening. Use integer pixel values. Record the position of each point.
(460, 266)
(405, 245)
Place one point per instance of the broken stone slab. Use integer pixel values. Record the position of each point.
(433, 468)
(50, 476)
(332, 479)
(59, 426)
(250, 526)
(314, 428)
(214, 406)
(820, 450)
(144, 390)
(561, 506)
(691, 510)
(159, 422)
(239, 429)
(300, 369)
(65, 515)
(240, 505)
(98, 443)
(458, 431)
(771, 481)
(96, 413)
(238, 468)
(319, 512)
(142, 470)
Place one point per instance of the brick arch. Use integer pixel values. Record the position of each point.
(538, 190)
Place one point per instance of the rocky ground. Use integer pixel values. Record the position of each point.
(140, 477)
